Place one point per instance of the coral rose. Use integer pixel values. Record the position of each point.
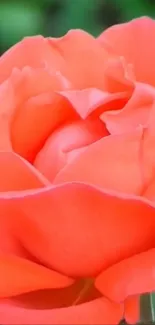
(77, 166)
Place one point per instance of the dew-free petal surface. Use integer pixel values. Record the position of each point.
(31, 51)
(92, 100)
(124, 163)
(132, 309)
(129, 40)
(67, 142)
(38, 109)
(83, 57)
(102, 227)
(100, 311)
(132, 276)
(16, 174)
(135, 112)
(112, 162)
(19, 275)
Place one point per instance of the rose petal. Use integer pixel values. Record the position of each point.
(132, 309)
(76, 292)
(19, 275)
(30, 82)
(31, 51)
(129, 40)
(7, 104)
(65, 143)
(100, 311)
(38, 109)
(17, 174)
(132, 276)
(75, 222)
(118, 75)
(134, 169)
(95, 165)
(87, 101)
(136, 111)
(83, 58)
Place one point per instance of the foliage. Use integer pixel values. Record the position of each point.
(19, 18)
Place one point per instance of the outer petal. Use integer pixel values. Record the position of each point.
(16, 175)
(7, 104)
(76, 222)
(132, 276)
(136, 111)
(19, 275)
(83, 58)
(100, 311)
(90, 65)
(129, 40)
(31, 51)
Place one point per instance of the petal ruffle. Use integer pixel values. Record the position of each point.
(31, 51)
(135, 112)
(129, 40)
(94, 101)
(83, 58)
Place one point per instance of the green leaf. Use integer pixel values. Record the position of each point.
(134, 8)
(152, 300)
(147, 308)
(18, 19)
(78, 14)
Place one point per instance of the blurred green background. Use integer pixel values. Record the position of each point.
(54, 17)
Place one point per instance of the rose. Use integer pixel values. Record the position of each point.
(34, 108)
(76, 170)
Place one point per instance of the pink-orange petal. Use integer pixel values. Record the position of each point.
(132, 276)
(38, 109)
(132, 309)
(7, 105)
(38, 118)
(112, 162)
(34, 51)
(16, 174)
(83, 58)
(90, 100)
(129, 40)
(100, 311)
(19, 275)
(136, 111)
(118, 75)
(67, 142)
(76, 222)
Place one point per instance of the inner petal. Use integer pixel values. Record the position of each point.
(65, 143)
